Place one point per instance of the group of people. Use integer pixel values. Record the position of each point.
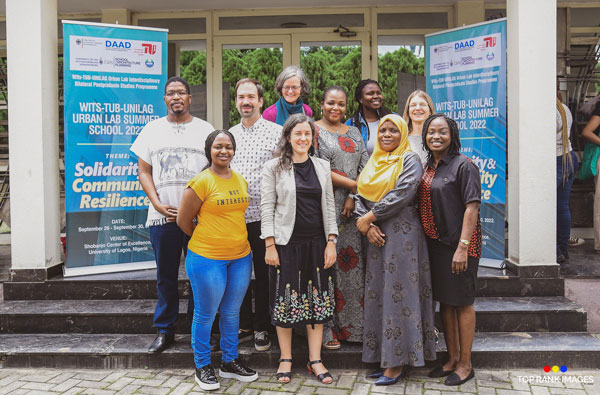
(352, 229)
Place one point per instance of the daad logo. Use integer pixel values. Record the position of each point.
(149, 48)
(464, 44)
(490, 42)
(117, 44)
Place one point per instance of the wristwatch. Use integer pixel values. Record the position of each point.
(334, 240)
(465, 242)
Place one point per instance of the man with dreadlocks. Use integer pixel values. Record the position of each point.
(370, 110)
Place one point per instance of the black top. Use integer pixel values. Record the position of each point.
(309, 216)
(453, 184)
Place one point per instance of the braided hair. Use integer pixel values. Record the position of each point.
(210, 139)
(454, 147)
(358, 95)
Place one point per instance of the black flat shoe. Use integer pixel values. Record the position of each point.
(439, 372)
(284, 375)
(321, 376)
(454, 379)
(161, 343)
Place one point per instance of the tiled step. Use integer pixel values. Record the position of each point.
(142, 285)
(490, 350)
(494, 314)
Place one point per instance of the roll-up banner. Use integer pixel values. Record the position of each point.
(466, 78)
(113, 85)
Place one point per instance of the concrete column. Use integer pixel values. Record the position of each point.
(531, 143)
(116, 16)
(468, 12)
(173, 60)
(33, 137)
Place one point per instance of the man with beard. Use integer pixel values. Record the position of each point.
(256, 140)
(170, 152)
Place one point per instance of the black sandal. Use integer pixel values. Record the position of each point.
(284, 375)
(321, 376)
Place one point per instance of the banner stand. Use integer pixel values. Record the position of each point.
(114, 79)
(466, 78)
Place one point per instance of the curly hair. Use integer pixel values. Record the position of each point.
(210, 139)
(358, 93)
(284, 149)
(454, 135)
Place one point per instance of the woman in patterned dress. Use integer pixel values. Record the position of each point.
(343, 147)
(399, 329)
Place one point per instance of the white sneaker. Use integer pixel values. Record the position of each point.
(575, 241)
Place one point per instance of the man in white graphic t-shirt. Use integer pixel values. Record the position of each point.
(170, 152)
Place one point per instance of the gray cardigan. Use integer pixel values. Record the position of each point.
(278, 200)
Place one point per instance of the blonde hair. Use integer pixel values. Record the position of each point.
(425, 96)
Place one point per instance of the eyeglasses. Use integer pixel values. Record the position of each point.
(291, 88)
(176, 93)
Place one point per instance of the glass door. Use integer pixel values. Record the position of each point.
(258, 57)
(328, 59)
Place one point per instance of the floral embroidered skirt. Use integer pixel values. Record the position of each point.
(301, 291)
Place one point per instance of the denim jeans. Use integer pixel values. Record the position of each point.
(218, 285)
(563, 215)
(168, 242)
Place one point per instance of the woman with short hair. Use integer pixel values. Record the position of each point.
(342, 146)
(218, 263)
(291, 84)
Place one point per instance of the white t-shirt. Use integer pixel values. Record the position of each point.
(559, 147)
(176, 153)
(372, 136)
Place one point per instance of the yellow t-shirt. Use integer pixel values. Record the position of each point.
(221, 231)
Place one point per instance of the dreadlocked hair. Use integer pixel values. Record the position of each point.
(358, 95)
(454, 135)
(567, 160)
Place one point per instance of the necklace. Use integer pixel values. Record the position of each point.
(328, 127)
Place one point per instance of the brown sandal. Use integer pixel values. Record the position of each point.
(332, 345)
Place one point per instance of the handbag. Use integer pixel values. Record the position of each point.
(589, 161)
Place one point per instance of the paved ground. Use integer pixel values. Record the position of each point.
(497, 382)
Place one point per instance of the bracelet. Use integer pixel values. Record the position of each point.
(270, 245)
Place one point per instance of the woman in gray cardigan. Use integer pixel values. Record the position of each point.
(298, 225)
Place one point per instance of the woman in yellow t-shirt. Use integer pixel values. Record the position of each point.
(218, 263)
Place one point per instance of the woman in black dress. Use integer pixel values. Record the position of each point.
(449, 199)
(297, 211)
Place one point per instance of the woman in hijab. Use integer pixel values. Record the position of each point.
(399, 328)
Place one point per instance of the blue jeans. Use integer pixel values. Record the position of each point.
(168, 242)
(563, 215)
(217, 286)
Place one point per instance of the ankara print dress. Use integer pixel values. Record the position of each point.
(347, 156)
(399, 327)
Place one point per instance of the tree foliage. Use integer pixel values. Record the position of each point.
(324, 67)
